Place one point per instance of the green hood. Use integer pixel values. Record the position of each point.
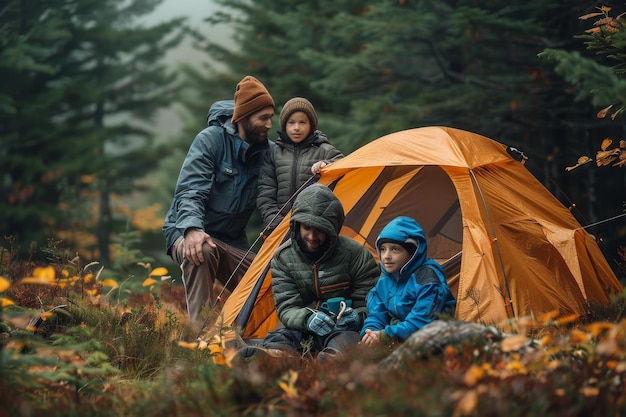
(318, 207)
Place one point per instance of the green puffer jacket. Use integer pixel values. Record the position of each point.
(286, 168)
(346, 269)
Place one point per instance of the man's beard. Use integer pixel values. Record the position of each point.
(253, 136)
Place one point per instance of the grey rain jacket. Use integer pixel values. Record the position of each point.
(286, 168)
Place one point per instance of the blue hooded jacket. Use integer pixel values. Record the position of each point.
(217, 185)
(403, 302)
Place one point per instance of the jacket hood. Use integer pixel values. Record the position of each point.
(405, 229)
(318, 207)
(221, 113)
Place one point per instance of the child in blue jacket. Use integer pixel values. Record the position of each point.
(411, 290)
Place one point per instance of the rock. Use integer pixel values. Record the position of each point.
(435, 336)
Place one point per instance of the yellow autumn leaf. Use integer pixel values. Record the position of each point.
(466, 404)
(288, 384)
(148, 282)
(599, 327)
(6, 302)
(590, 15)
(46, 314)
(602, 113)
(110, 283)
(5, 284)
(36, 281)
(516, 367)
(567, 319)
(513, 343)
(473, 375)
(581, 161)
(589, 391)
(157, 272)
(577, 337)
(188, 345)
(46, 272)
(549, 316)
(93, 291)
(545, 341)
(606, 143)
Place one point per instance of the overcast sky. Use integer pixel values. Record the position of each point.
(167, 121)
(195, 11)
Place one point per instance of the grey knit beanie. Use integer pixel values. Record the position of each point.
(298, 104)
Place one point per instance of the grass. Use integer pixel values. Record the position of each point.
(107, 352)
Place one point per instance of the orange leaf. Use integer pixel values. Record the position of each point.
(149, 281)
(606, 157)
(5, 302)
(577, 337)
(514, 342)
(110, 283)
(157, 272)
(467, 404)
(46, 272)
(602, 113)
(599, 327)
(44, 316)
(473, 375)
(188, 345)
(616, 112)
(581, 161)
(589, 391)
(36, 281)
(4, 284)
(606, 143)
(590, 15)
(545, 317)
(567, 319)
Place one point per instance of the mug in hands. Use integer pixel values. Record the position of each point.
(335, 306)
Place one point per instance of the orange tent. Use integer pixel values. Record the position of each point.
(509, 247)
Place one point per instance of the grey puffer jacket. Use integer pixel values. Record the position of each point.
(217, 185)
(345, 269)
(286, 168)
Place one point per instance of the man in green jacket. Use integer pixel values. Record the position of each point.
(315, 265)
(205, 227)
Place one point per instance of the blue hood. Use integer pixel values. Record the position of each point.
(405, 229)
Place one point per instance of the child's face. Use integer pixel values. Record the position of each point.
(298, 127)
(393, 256)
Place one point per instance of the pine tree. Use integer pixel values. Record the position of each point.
(92, 132)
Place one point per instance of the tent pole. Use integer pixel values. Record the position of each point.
(308, 182)
(495, 241)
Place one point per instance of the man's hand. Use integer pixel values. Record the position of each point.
(349, 320)
(320, 323)
(192, 245)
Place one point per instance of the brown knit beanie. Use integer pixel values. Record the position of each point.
(294, 105)
(250, 97)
